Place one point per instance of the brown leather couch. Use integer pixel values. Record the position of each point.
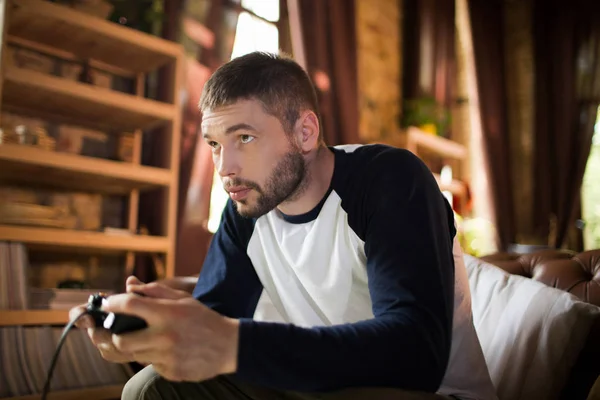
(578, 274)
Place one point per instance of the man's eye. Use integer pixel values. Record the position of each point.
(213, 144)
(246, 138)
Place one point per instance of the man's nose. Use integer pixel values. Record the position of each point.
(227, 163)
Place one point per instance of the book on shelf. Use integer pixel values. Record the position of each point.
(60, 299)
(13, 276)
(16, 294)
(26, 351)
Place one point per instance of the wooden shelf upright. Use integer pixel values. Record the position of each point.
(66, 33)
(420, 142)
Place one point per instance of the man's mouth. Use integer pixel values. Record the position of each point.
(238, 193)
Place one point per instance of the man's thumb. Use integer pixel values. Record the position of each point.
(158, 291)
(132, 281)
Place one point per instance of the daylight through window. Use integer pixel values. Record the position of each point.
(590, 193)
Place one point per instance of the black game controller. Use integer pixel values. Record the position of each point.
(116, 323)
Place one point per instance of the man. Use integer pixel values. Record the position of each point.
(334, 273)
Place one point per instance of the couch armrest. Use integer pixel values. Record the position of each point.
(578, 274)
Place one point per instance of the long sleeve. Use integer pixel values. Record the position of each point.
(408, 233)
(228, 282)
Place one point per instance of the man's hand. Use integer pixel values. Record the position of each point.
(184, 340)
(101, 337)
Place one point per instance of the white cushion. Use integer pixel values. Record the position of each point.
(530, 333)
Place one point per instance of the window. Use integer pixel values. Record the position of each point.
(590, 193)
(256, 30)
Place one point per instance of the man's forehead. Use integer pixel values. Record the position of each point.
(209, 126)
(221, 118)
(238, 106)
(218, 118)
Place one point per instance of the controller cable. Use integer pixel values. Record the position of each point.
(116, 323)
(61, 341)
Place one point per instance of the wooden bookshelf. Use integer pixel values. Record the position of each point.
(62, 30)
(87, 36)
(83, 241)
(67, 56)
(37, 94)
(422, 143)
(34, 317)
(456, 187)
(96, 393)
(36, 166)
(59, 31)
(417, 140)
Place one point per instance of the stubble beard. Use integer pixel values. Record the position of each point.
(286, 183)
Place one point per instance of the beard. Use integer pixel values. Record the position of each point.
(286, 182)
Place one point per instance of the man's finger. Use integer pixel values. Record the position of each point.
(145, 340)
(152, 310)
(100, 336)
(143, 354)
(159, 291)
(109, 353)
(116, 357)
(84, 322)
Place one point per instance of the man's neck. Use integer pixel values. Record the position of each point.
(319, 175)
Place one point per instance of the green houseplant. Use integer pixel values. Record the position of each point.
(426, 113)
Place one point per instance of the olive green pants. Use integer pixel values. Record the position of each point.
(148, 385)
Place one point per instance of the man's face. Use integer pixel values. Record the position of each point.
(259, 165)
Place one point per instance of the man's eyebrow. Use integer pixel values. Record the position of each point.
(234, 128)
(237, 127)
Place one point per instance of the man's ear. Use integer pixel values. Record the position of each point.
(307, 131)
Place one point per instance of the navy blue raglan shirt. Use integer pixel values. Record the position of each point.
(357, 292)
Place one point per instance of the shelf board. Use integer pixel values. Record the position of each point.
(33, 317)
(63, 55)
(35, 93)
(82, 241)
(88, 36)
(94, 393)
(439, 145)
(32, 165)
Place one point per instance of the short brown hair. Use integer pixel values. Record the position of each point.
(277, 81)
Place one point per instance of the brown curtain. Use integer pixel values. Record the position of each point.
(329, 36)
(429, 56)
(567, 67)
(487, 29)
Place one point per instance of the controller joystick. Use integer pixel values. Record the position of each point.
(116, 323)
